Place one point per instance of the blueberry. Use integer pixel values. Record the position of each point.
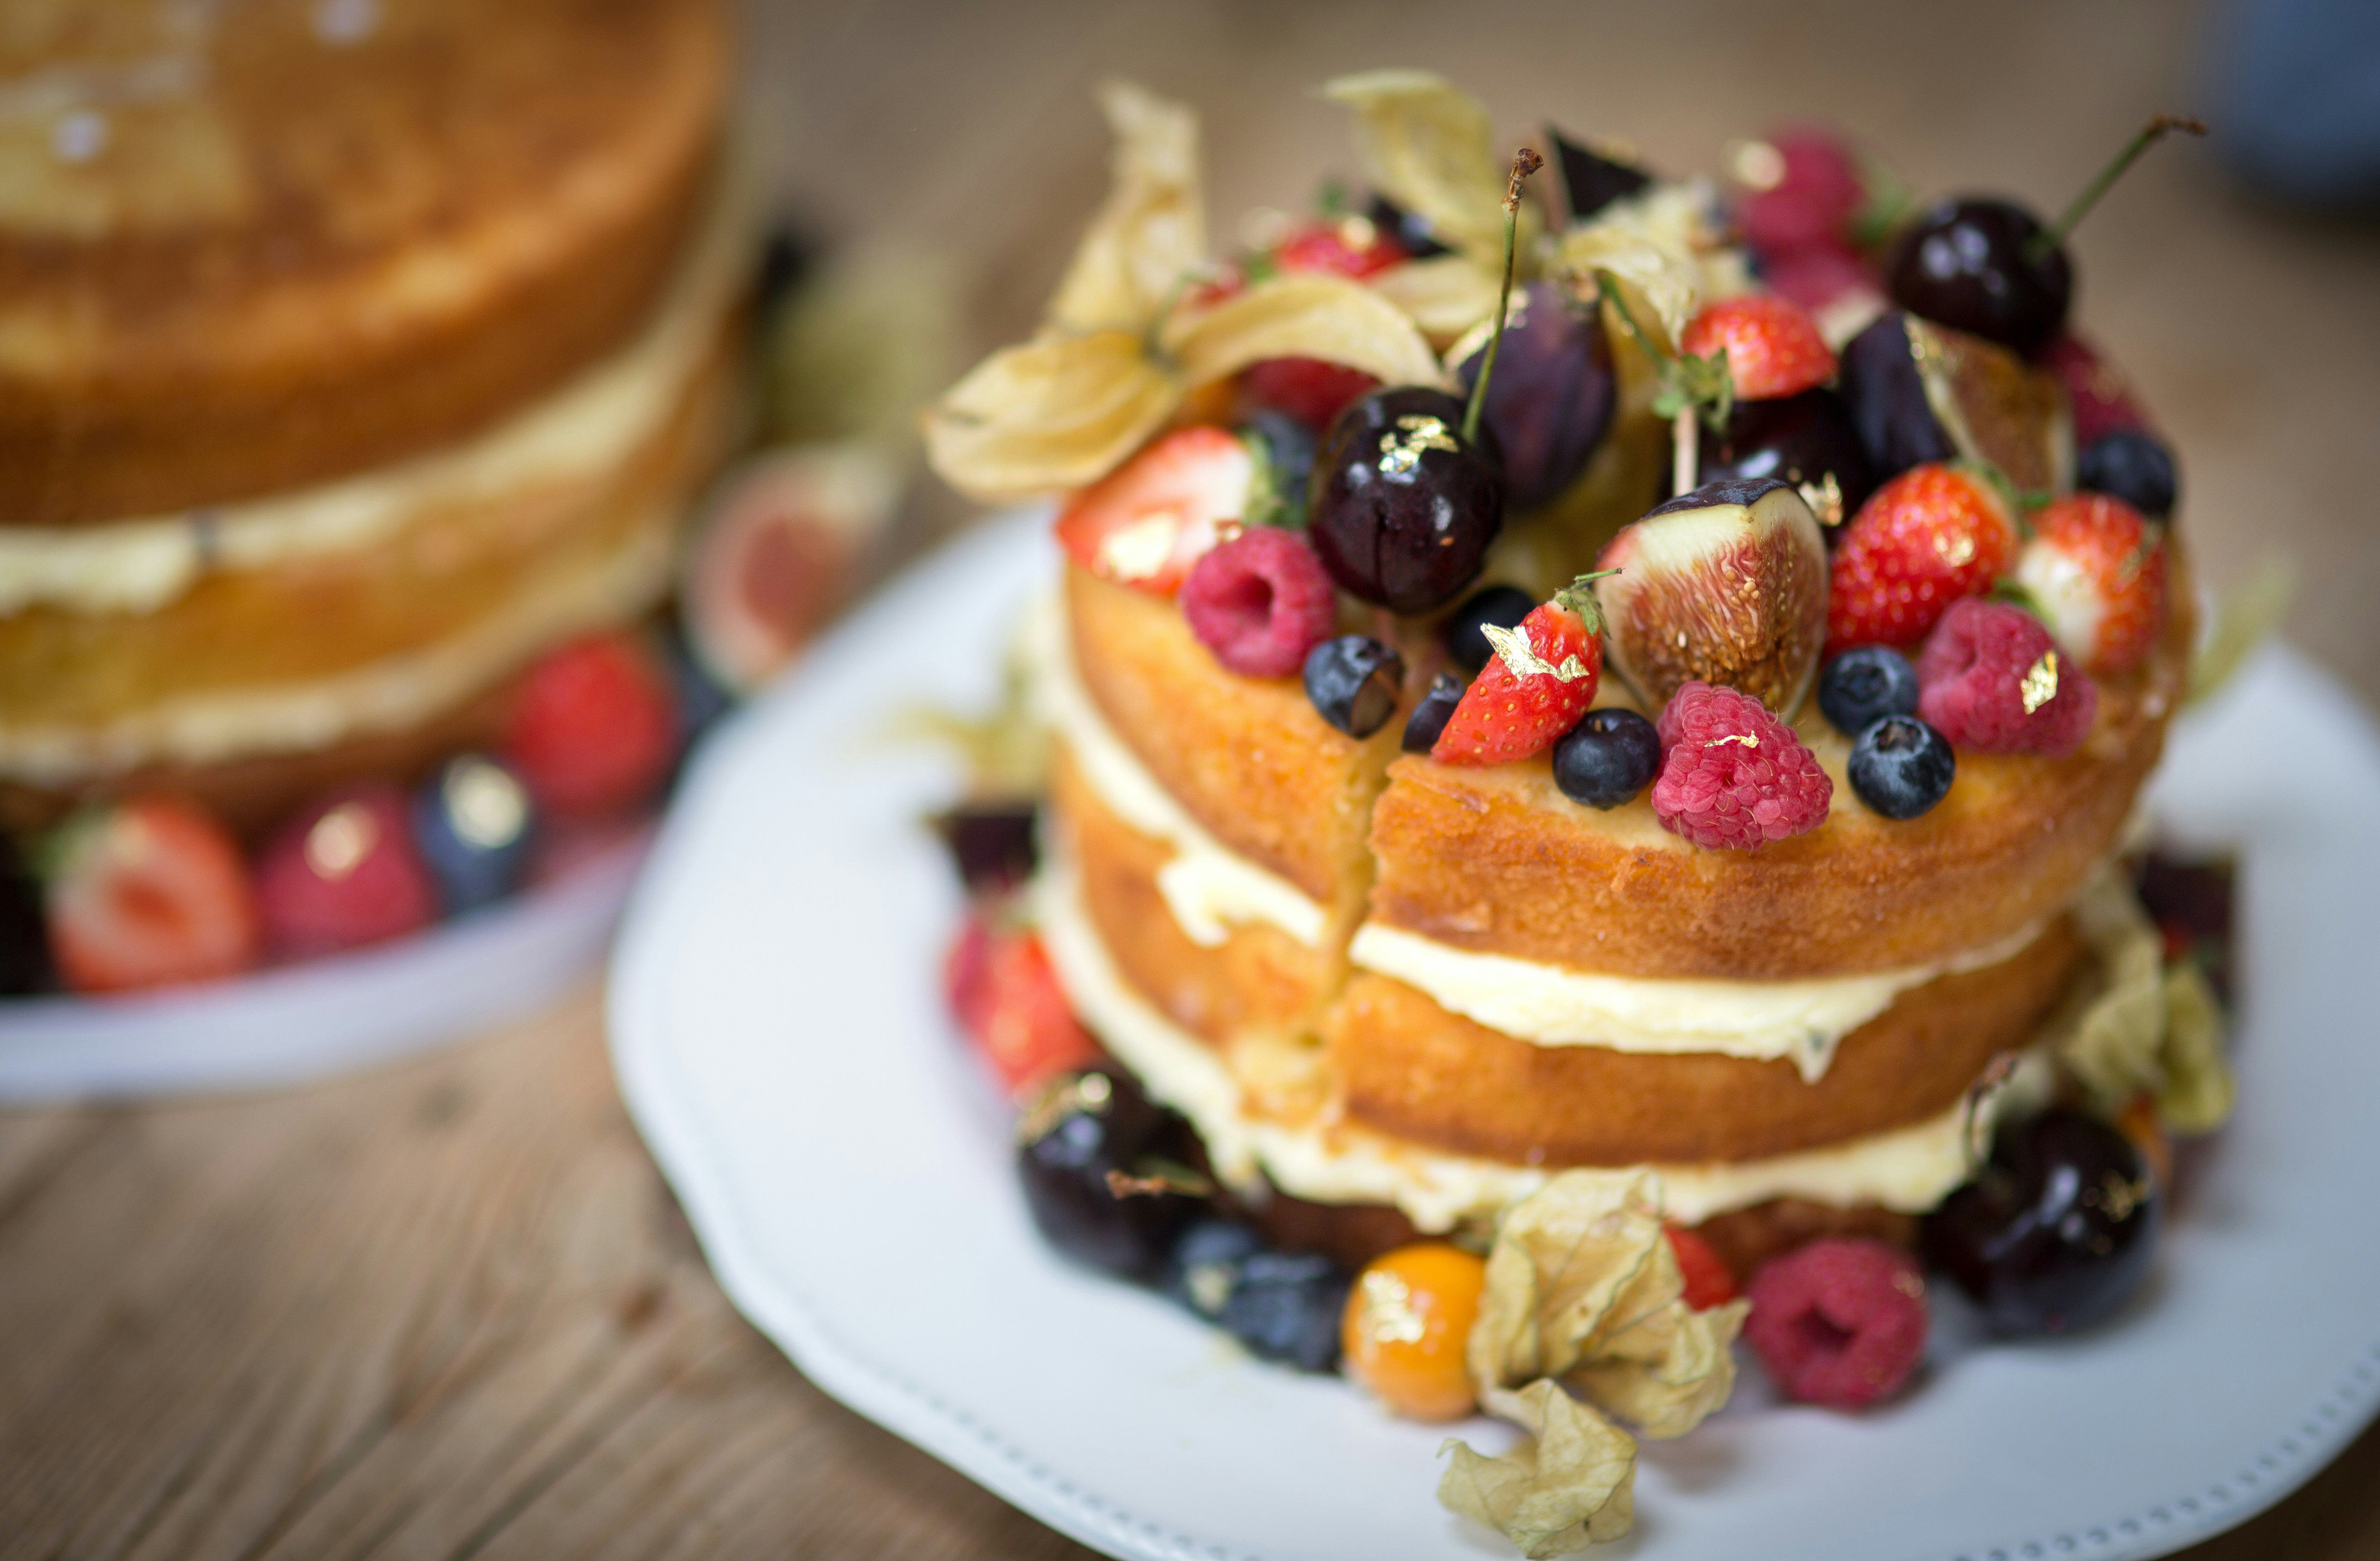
(2134, 465)
(1608, 757)
(1865, 685)
(1205, 1264)
(1467, 639)
(701, 698)
(1287, 1307)
(1429, 717)
(1077, 1130)
(474, 823)
(991, 843)
(1900, 767)
(1354, 683)
(1283, 449)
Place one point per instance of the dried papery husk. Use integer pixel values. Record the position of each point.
(1302, 315)
(1584, 1297)
(1151, 235)
(2134, 1025)
(1429, 146)
(1446, 295)
(1055, 413)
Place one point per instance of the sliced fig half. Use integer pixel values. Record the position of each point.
(776, 551)
(1920, 392)
(1724, 584)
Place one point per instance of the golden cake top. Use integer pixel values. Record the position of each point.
(213, 214)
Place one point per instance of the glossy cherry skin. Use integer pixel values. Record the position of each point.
(1081, 1127)
(1403, 508)
(2059, 1230)
(1965, 264)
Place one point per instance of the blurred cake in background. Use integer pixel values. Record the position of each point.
(352, 354)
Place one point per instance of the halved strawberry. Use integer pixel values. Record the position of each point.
(149, 892)
(1773, 346)
(1144, 523)
(1006, 997)
(1540, 684)
(1349, 247)
(1709, 1281)
(2097, 570)
(1936, 533)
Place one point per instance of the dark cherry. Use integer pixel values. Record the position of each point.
(1592, 181)
(24, 937)
(1403, 508)
(1968, 264)
(1409, 229)
(1551, 400)
(1077, 1130)
(1803, 439)
(991, 843)
(1885, 394)
(1427, 722)
(2134, 466)
(1464, 630)
(2057, 1230)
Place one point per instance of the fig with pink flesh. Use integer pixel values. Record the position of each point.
(1724, 584)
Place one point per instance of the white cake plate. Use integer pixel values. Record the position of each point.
(780, 1038)
(304, 1022)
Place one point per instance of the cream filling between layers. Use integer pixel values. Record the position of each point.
(386, 695)
(1800, 1021)
(1909, 1170)
(1208, 887)
(576, 433)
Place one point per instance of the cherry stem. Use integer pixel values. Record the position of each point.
(1524, 163)
(2037, 250)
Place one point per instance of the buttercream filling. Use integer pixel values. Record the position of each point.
(1208, 888)
(1803, 1021)
(1333, 1161)
(385, 695)
(576, 434)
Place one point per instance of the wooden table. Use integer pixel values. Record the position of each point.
(448, 1308)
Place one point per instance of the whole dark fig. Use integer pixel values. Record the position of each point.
(1551, 402)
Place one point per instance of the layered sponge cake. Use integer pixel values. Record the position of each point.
(351, 357)
(1779, 855)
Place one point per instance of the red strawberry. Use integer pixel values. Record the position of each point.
(1932, 535)
(1007, 998)
(1310, 389)
(1144, 523)
(342, 874)
(2098, 570)
(149, 892)
(1773, 347)
(1709, 1281)
(1350, 246)
(2101, 401)
(595, 728)
(1540, 684)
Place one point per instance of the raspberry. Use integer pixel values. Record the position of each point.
(1260, 602)
(1733, 777)
(596, 727)
(1817, 277)
(1992, 680)
(1838, 1323)
(342, 874)
(1817, 192)
(1006, 998)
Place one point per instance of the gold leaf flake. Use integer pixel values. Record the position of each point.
(1401, 447)
(1388, 1314)
(2040, 685)
(1521, 659)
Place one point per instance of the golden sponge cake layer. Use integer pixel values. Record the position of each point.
(1248, 757)
(246, 247)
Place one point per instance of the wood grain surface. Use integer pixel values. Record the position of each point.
(449, 1310)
